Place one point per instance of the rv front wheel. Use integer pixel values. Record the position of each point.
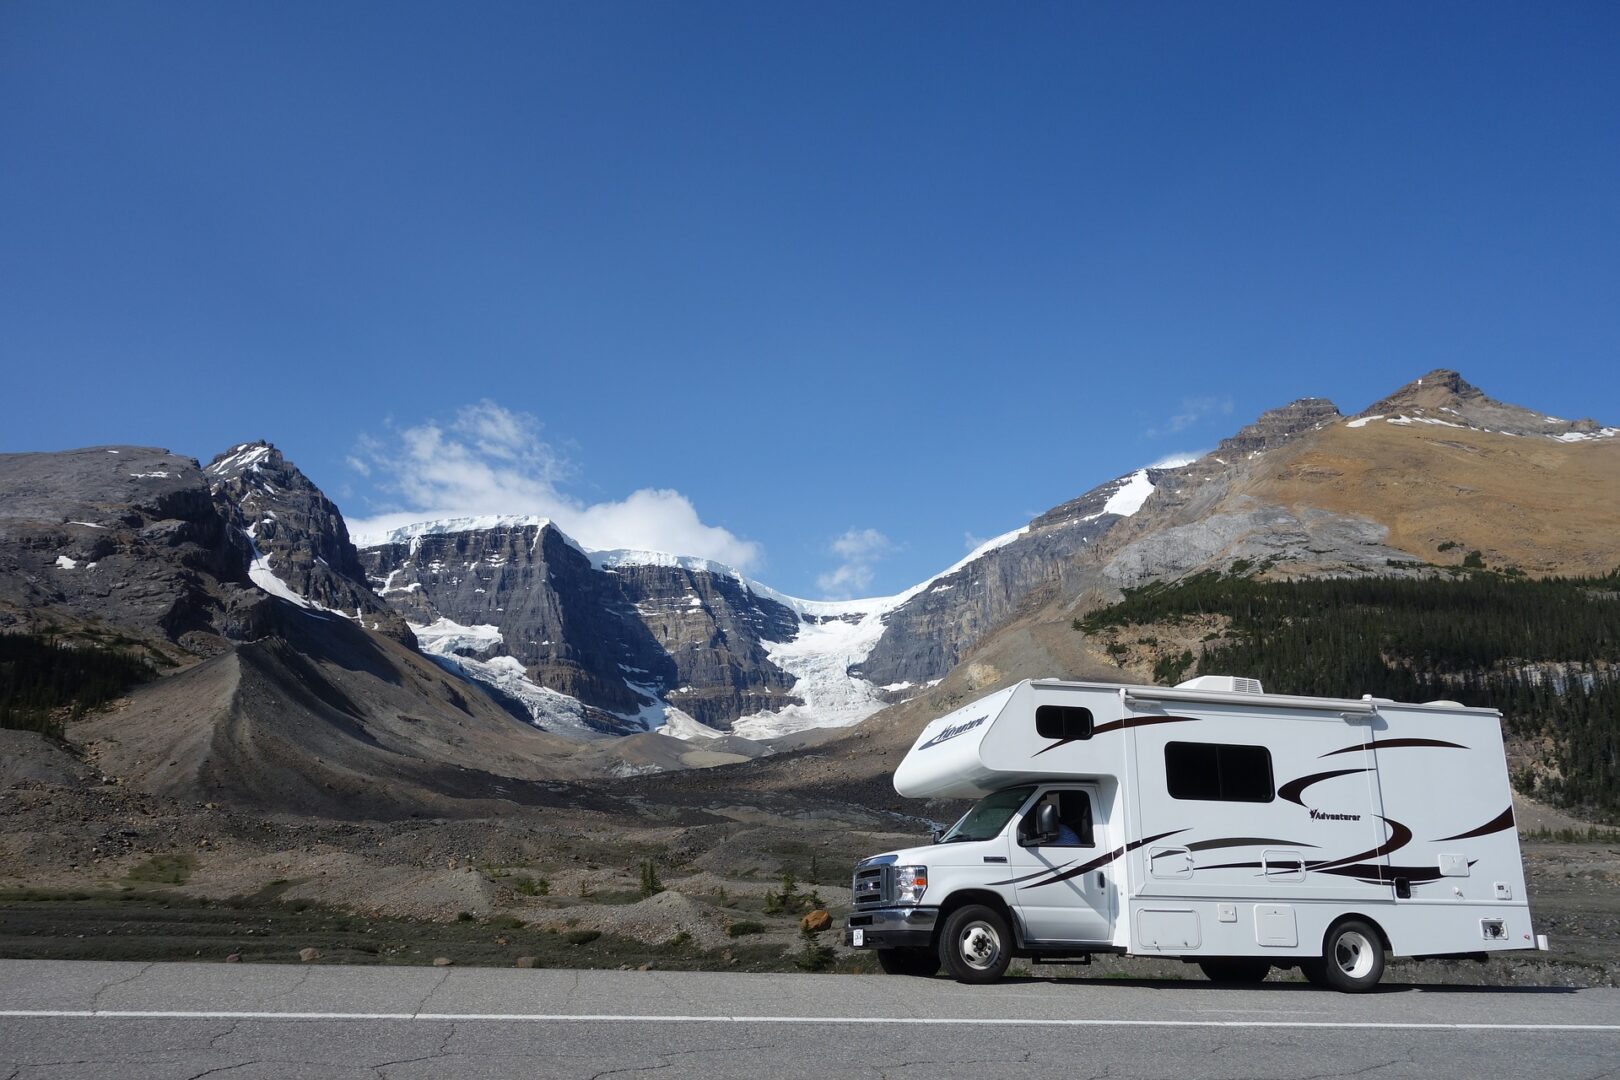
(975, 945)
(1352, 958)
(920, 962)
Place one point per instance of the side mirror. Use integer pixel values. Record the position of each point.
(934, 834)
(1046, 826)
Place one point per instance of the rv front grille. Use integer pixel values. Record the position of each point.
(872, 887)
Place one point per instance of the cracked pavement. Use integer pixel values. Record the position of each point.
(415, 1023)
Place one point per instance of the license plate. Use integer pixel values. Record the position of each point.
(857, 938)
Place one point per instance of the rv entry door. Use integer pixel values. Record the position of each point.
(1062, 895)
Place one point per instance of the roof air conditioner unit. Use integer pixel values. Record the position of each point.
(1232, 684)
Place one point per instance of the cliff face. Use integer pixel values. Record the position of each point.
(569, 626)
(617, 636)
(292, 530)
(124, 535)
(715, 631)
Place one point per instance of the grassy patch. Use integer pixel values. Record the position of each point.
(528, 886)
(164, 870)
(744, 927)
(136, 925)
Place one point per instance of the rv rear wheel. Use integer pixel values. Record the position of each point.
(1352, 958)
(1236, 969)
(921, 962)
(975, 945)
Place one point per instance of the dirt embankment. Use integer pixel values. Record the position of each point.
(623, 877)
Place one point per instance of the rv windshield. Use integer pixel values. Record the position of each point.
(988, 816)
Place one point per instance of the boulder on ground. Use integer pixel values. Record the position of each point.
(442, 961)
(306, 955)
(816, 921)
(528, 961)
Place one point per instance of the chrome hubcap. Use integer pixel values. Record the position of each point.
(1354, 954)
(979, 945)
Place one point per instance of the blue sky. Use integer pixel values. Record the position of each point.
(829, 289)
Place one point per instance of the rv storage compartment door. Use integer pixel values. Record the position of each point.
(1167, 928)
(1274, 925)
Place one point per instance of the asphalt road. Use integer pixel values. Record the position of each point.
(65, 1019)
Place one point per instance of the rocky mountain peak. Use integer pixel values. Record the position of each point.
(1275, 427)
(255, 456)
(297, 536)
(1440, 388)
(1444, 398)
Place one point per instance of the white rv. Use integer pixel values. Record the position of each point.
(1211, 822)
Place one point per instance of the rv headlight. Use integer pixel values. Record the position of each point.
(910, 882)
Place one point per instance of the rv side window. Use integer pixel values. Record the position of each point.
(1216, 772)
(1066, 722)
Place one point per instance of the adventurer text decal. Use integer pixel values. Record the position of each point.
(953, 730)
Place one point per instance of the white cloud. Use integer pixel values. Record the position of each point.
(860, 550)
(492, 460)
(1177, 459)
(1191, 411)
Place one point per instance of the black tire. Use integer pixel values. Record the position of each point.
(976, 944)
(1236, 969)
(1352, 957)
(920, 962)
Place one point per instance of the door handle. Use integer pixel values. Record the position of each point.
(1102, 880)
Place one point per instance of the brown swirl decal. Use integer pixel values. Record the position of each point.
(1399, 837)
(1031, 877)
(1390, 744)
(1120, 725)
(1294, 790)
(1379, 874)
(1499, 823)
(1097, 863)
(1245, 841)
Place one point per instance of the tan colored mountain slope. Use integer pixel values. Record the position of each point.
(1544, 506)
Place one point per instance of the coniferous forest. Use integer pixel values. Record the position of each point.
(1546, 652)
(41, 678)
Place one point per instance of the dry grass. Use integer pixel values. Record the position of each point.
(1531, 503)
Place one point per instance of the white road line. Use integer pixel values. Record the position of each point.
(620, 1018)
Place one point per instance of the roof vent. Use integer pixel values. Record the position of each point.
(1231, 684)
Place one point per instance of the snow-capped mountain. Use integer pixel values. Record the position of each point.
(298, 543)
(649, 640)
(640, 640)
(299, 656)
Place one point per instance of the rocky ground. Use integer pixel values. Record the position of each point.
(625, 874)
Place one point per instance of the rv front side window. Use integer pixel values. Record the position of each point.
(1074, 819)
(1216, 772)
(988, 816)
(1066, 722)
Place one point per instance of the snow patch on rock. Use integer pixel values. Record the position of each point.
(1131, 495)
